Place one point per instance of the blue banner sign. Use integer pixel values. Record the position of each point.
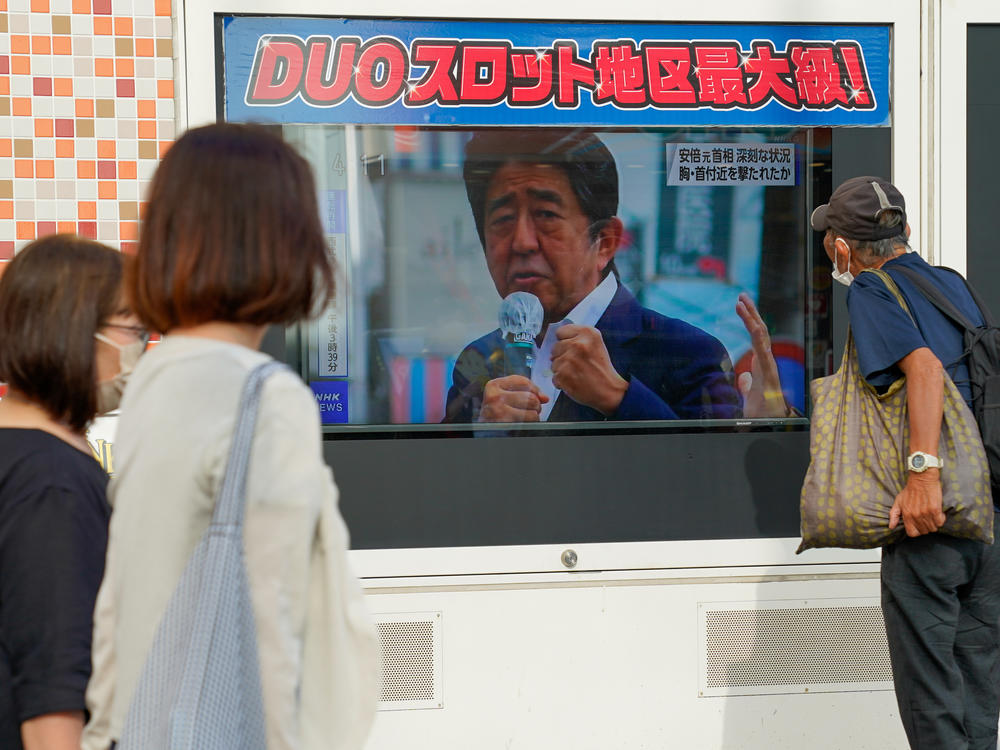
(401, 72)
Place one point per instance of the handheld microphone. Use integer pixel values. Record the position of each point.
(521, 317)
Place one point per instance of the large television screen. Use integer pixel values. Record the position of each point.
(541, 276)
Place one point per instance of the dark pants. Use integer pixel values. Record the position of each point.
(941, 602)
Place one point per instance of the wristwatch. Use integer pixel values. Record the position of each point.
(919, 462)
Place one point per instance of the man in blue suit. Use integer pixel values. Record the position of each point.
(545, 203)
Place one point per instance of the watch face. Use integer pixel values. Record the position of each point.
(918, 461)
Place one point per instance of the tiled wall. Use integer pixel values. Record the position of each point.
(86, 110)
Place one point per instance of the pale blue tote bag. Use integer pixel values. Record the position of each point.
(200, 686)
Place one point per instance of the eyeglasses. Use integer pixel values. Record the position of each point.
(138, 331)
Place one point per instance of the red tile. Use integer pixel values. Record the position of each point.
(6, 253)
(105, 170)
(46, 227)
(88, 229)
(4, 64)
(42, 86)
(64, 128)
(125, 87)
(102, 7)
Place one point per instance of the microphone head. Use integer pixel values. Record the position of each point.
(521, 317)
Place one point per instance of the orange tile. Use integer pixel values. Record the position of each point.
(3, 5)
(39, 6)
(107, 189)
(65, 148)
(127, 170)
(144, 48)
(146, 108)
(86, 209)
(105, 149)
(123, 27)
(62, 86)
(41, 45)
(66, 227)
(44, 127)
(6, 147)
(128, 230)
(4, 85)
(20, 106)
(164, 147)
(86, 170)
(45, 169)
(104, 67)
(146, 129)
(62, 45)
(20, 65)
(103, 26)
(25, 230)
(165, 88)
(24, 168)
(81, 7)
(84, 107)
(125, 67)
(6, 209)
(20, 44)
(163, 7)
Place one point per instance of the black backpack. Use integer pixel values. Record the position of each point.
(982, 355)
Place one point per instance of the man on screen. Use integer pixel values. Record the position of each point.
(545, 204)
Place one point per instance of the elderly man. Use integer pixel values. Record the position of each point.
(940, 595)
(545, 204)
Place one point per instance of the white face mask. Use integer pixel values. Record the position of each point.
(109, 392)
(842, 277)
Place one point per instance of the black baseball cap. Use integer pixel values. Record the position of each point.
(856, 206)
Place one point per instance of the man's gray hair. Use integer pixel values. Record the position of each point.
(888, 247)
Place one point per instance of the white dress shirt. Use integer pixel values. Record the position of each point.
(587, 312)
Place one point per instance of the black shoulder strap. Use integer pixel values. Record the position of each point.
(936, 297)
(980, 303)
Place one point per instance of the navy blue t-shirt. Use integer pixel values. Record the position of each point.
(884, 333)
(53, 536)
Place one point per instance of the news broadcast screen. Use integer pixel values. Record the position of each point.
(567, 226)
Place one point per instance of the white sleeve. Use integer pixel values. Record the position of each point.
(101, 686)
(287, 485)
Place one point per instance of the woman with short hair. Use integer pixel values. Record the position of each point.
(232, 243)
(66, 344)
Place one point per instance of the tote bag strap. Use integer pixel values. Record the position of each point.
(893, 289)
(229, 506)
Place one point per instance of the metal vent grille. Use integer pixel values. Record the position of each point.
(780, 647)
(410, 645)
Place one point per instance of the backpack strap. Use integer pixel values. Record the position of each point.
(936, 297)
(988, 318)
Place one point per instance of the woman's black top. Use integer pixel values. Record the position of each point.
(53, 536)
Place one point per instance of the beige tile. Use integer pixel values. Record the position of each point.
(124, 47)
(84, 128)
(23, 148)
(164, 47)
(61, 25)
(105, 107)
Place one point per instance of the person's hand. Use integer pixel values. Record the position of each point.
(512, 398)
(582, 369)
(919, 504)
(761, 387)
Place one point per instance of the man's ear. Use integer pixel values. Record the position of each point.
(842, 250)
(907, 230)
(608, 241)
